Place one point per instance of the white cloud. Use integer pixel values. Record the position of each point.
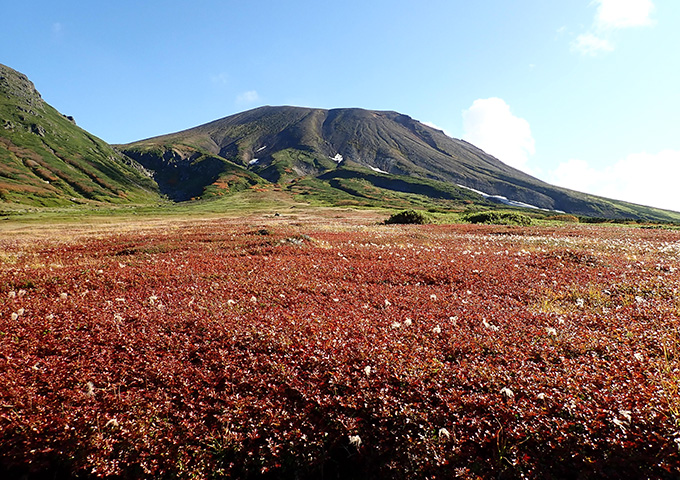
(578, 175)
(645, 178)
(490, 125)
(612, 15)
(437, 127)
(251, 96)
(57, 29)
(591, 44)
(623, 13)
(221, 78)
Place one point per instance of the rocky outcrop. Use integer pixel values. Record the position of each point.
(19, 86)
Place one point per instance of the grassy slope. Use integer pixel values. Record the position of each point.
(185, 172)
(46, 160)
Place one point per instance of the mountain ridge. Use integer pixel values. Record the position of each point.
(47, 160)
(341, 156)
(282, 143)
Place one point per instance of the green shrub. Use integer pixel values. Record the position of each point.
(409, 217)
(499, 218)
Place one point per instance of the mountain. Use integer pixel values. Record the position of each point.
(360, 154)
(345, 156)
(47, 160)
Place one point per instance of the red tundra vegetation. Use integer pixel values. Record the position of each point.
(271, 349)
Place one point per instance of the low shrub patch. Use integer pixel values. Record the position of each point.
(499, 218)
(415, 217)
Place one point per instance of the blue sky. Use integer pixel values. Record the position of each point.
(583, 94)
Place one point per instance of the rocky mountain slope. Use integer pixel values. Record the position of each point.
(350, 149)
(47, 160)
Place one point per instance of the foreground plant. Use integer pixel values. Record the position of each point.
(222, 351)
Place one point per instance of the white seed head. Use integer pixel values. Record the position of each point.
(367, 370)
(619, 424)
(507, 393)
(490, 326)
(437, 329)
(112, 423)
(355, 440)
(408, 322)
(444, 433)
(626, 414)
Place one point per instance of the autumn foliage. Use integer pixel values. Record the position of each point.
(222, 350)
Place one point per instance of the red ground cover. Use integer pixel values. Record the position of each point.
(212, 350)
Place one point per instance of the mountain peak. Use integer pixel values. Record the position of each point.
(16, 84)
(367, 155)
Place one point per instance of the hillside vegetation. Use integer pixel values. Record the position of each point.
(47, 160)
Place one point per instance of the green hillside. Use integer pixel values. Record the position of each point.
(47, 160)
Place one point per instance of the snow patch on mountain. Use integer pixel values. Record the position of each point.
(506, 200)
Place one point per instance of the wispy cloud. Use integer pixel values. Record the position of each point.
(221, 78)
(645, 178)
(591, 44)
(612, 15)
(249, 97)
(490, 125)
(57, 29)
